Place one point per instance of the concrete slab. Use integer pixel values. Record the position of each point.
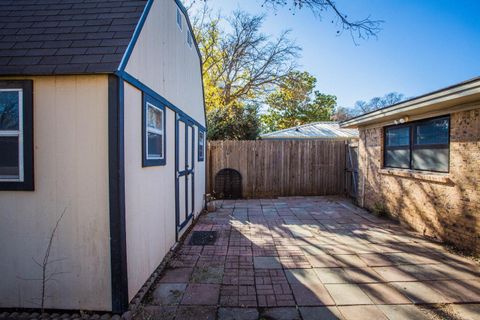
(384, 293)
(207, 275)
(420, 292)
(201, 294)
(362, 275)
(177, 275)
(238, 314)
(168, 293)
(267, 263)
(458, 291)
(321, 313)
(403, 312)
(331, 275)
(314, 294)
(347, 294)
(196, 313)
(302, 276)
(394, 273)
(323, 261)
(158, 312)
(304, 253)
(280, 314)
(362, 313)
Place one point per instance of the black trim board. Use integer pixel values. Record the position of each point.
(152, 93)
(28, 183)
(116, 158)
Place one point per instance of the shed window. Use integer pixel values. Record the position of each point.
(179, 19)
(153, 133)
(201, 145)
(421, 145)
(189, 39)
(16, 130)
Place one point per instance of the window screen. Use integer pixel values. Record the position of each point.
(201, 145)
(11, 135)
(153, 126)
(397, 141)
(154, 132)
(179, 19)
(16, 135)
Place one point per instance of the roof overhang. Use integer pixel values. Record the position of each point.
(458, 97)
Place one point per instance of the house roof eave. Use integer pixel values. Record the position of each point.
(461, 93)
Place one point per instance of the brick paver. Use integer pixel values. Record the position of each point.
(318, 255)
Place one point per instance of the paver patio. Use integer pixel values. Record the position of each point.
(311, 258)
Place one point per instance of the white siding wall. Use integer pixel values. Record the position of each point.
(149, 196)
(71, 172)
(163, 60)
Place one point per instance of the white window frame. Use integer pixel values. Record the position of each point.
(155, 131)
(16, 133)
(201, 146)
(179, 19)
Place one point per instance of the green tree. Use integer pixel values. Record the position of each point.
(295, 102)
(240, 66)
(237, 122)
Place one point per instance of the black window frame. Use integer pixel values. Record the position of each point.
(157, 104)
(201, 158)
(412, 146)
(28, 183)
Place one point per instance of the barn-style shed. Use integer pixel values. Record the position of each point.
(101, 118)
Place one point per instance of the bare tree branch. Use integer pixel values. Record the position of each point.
(358, 29)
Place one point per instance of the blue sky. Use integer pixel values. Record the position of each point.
(424, 45)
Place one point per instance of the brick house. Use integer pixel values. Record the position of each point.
(419, 161)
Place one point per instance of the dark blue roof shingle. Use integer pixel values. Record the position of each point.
(47, 37)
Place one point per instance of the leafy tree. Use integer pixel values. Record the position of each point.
(240, 66)
(238, 122)
(295, 102)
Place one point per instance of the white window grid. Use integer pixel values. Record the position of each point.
(201, 141)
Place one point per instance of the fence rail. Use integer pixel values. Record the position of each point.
(281, 167)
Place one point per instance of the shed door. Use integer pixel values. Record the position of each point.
(185, 172)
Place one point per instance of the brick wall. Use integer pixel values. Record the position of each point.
(445, 206)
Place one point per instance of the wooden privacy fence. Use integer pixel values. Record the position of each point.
(271, 168)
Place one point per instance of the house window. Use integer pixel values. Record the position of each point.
(201, 145)
(179, 19)
(153, 132)
(16, 135)
(421, 145)
(189, 39)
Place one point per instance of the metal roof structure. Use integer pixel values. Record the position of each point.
(49, 37)
(316, 130)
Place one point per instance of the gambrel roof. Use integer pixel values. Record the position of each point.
(47, 37)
